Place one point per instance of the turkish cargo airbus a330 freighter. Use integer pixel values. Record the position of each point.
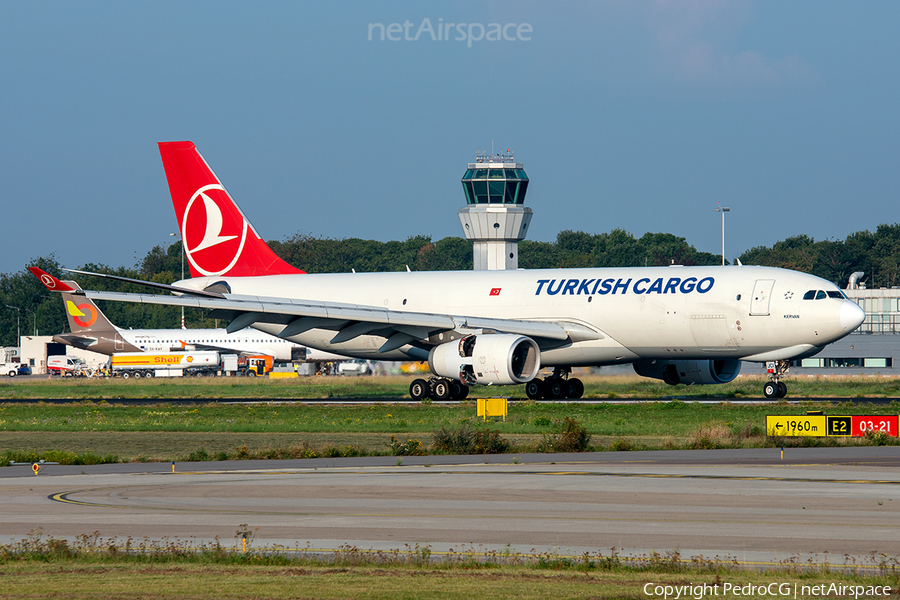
(679, 324)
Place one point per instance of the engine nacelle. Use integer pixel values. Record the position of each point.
(498, 359)
(690, 371)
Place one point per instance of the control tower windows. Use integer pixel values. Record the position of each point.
(496, 191)
(495, 185)
(479, 191)
(470, 197)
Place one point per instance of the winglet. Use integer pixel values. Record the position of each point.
(50, 282)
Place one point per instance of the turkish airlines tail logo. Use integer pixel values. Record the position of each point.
(218, 239)
(212, 236)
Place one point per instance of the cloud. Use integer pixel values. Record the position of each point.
(697, 41)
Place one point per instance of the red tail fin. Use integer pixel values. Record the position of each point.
(218, 239)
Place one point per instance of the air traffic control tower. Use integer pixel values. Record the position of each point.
(495, 217)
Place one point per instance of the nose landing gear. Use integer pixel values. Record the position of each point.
(775, 388)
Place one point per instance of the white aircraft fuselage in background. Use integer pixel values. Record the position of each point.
(245, 341)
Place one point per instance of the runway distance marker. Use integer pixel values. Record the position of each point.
(793, 425)
(831, 426)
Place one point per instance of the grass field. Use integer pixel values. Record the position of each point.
(98, 569)
(72, 580)
(207, 430)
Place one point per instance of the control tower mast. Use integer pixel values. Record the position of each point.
(495, 217)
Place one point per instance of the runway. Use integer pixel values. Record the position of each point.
(749, 505)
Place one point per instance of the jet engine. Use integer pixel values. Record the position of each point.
(498, 359)
(689, 371)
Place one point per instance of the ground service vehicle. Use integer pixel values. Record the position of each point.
(171, 364)
(257, 365)
(356, 366)
(10, 369)
(67, 366)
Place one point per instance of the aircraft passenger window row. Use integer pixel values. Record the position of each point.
(820, 294)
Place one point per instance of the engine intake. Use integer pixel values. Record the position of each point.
(498, 359)
(690, 372)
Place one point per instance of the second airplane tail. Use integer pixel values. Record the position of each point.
(84, 315)
(218, 239)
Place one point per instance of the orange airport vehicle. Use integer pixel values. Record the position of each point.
(255, 365)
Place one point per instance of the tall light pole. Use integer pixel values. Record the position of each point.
(18, 331)
(182, 270)
(723, 210)
(33, 321)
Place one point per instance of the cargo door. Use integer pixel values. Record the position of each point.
(762, 291)
(120, 344)
(711, 332)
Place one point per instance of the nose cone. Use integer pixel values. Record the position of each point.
(852, 315)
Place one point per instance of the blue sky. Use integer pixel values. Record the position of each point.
(637, 115)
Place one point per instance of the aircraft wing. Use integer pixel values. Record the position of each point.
(351, 320)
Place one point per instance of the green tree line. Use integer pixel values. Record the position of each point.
(876, 253)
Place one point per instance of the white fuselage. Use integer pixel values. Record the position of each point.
(741, 312)
(246, 340)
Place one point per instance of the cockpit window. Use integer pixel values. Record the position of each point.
(820, 295)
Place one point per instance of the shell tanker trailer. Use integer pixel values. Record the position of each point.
(174, 364)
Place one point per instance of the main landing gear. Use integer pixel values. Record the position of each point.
(775, 388)
(555, 387)
(437, 388)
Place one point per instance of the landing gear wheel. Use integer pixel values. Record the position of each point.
(418, 389)
(574, 388)
(458, 391)
(556, 388)
(440, 389)
(782, 389)
(534, 389)
(771, 389)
